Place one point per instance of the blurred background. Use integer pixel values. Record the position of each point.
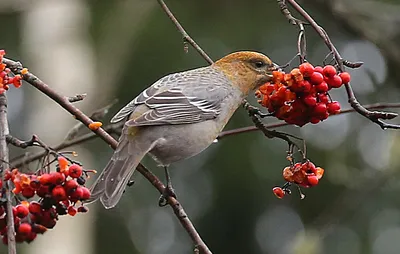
(114, 49)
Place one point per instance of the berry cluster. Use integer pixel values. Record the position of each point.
(5, 78)
(301, 96)
(303, 174)
(58, 192)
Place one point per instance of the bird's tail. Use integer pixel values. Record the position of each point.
(111, 183)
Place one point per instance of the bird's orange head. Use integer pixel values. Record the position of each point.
(247, 70)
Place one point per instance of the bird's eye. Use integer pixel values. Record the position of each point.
(259, 64)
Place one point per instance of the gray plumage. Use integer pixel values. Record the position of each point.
(179, 98)
(188, 100)
(177, 117)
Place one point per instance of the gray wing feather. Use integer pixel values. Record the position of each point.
(180, 98)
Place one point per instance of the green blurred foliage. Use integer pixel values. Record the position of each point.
(242, 169)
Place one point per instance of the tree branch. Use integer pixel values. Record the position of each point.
(228, 133)
(185, 35)
(4, 131)
(64, 102)
(374, 116)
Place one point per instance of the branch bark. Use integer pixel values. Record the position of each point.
(185, 35)
(375, 116)
(64, 102)
(4, 131)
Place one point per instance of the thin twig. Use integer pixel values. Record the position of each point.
(228, 133)
(185, 35)
(76, 98)
(4, 131)
(63, 101)
(256, 114)
(25, 159)
(115, 128)
(374, 116)
(97, 115)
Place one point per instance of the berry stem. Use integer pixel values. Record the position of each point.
(255, 115)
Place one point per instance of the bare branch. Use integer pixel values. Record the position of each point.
(76, 98)
(97, 115)
(63, 101)
(185, 35)
(375, 116)
(228, 133)
(4, 131)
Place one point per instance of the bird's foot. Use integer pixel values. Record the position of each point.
(168, 192)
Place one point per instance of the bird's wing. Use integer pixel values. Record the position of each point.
(180, 98)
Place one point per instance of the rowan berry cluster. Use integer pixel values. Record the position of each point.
(301, 96)
(5, 78)
(58, 192)
(303, 174)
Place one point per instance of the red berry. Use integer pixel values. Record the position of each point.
(57, 178)
(320, 109)
(25, 228)
(58, 193)
(306, 87)
(306, 69)
(279, 192)
(1, 183)
(28, 192)
(72, 211)
(76, 195)
(22, 211)
(49, 223)
(83, 209)
(334, 81)
(70, 186)
(35, 207)
(29, 238)
(322, 87)
(85, 193)
(75, 171)
(310, 100)
(35, 184)
(319, 69)
(312, 180)
(323, 98)
(309, 167)
(329, 71)
(45, 179)
(316, 78)
(334, 108)
(37, 228)
(345, 76)
(43, 191)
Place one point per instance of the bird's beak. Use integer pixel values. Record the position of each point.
(274, 67)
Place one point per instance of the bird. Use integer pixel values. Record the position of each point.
(179, 116)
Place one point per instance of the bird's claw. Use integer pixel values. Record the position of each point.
(168, 192)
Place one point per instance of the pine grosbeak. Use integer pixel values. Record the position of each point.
(179, 116)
